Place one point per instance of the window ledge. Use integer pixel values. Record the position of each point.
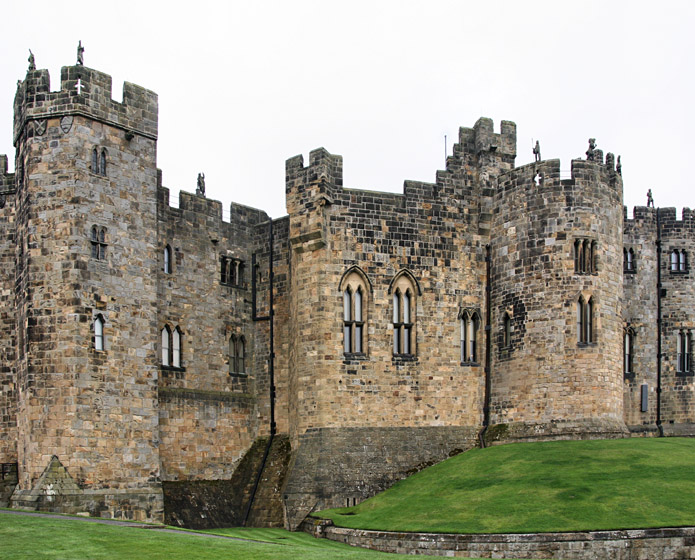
(685, 374)
(470, 364)
(404, 358)
(238, 375)
(587, 344)
(171, 368)
(354, 356)
(632, 271)
(679, 272)
(629, 376)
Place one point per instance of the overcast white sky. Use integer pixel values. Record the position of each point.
(245, 85)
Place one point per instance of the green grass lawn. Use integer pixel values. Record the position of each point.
(36, 538)
(541, 487)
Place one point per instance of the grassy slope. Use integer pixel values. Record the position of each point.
(539, 487)
(23, 538)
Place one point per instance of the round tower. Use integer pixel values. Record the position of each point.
(85, 296)
(556, 281)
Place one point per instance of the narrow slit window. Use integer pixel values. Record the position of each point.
(167, 260)
(166, 347)
(176, 348)
(99, 334)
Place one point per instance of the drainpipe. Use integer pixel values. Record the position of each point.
(271, 370)
(659, 292)
(488, 347)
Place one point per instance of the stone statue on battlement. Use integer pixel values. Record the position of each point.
(200, 188)
(619, 167)
(32, 62)
(650, 199)
(591, 152)
(537, 151)
(80, 54)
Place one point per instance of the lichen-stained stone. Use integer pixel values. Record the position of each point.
(148, 340)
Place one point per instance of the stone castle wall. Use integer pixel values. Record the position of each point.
(431, 241)
(8, 390)
(76, 403)
(104, 427)
(207, 408)
(544, 375)
(640, 315)
(678, 387)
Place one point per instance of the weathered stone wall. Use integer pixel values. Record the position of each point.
(430, 241)
(678, 301)
(208, 415)
(640, 314)
(8, 392)
(340, 467)
(545, 377)
(95, 410)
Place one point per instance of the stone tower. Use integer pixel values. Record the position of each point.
(556, 261)
(85, 295)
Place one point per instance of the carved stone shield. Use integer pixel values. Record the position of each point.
(40, 127)
(66, 123)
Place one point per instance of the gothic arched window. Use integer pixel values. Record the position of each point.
(354, 286)
(166, 345)
(684, 351)
(102, 163)
(176, 339)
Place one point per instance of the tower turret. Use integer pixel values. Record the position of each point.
(556, 249)
(85, 296)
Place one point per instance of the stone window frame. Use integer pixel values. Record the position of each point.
(585, 256)
(99, 338)
(98, 242)
(404, 291)
(469, 327)
(171, 348)
(684, 352)
(629, 335)
(586, 313)
(236, 349)
(232, 271)
(98, 166)
(678, 261)
(168, 255)
(507, 330)
(355, 289)
(629, 265)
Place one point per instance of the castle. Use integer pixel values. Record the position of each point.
(154, 355)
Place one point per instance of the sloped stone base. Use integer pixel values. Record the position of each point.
(337, 467)
(56, 491)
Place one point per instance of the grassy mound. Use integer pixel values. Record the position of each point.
(540, 487)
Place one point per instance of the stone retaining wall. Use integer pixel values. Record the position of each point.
(635, 544)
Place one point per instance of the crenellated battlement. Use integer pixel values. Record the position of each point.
(546, 175)
(645, 218)
(87, 92)
(6, 179)
(482, 138)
